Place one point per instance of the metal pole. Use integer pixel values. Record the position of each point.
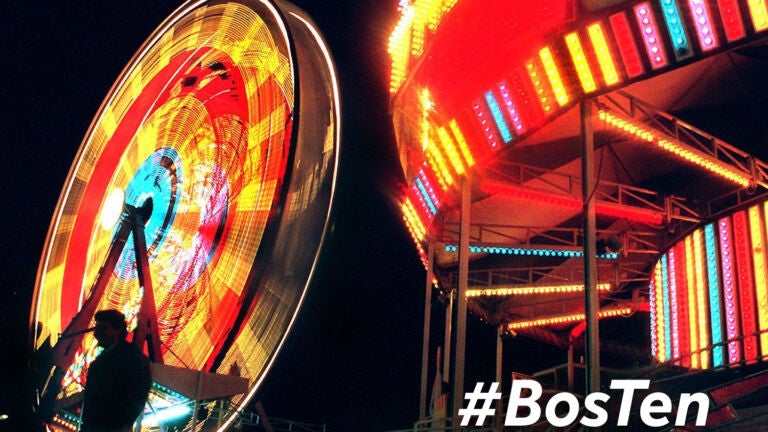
(591, 300)
(499, 359)
(571, 366)
(461, 309)
(425, 340)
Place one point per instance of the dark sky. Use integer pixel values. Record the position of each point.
(353, 358)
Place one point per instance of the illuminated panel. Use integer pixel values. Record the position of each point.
(761, 290)
(652, 305)
(541, 87)
(677, 34)
(498, 117)
(399, 50)
(412, 221)
(424, 180)
(565, 319)
(690, 284)
(730, 14)
(683, 323)
(483, 117)
(759, 14)
(512, 110)
(531, 290)
(438, 164)
(699, 258)
(553, 73)
(424, 196)
(604, 58)
(523, 91)
(733, 328)
(531, 251)
(626, 44)
(667, 307)
(714, 295)
(658, 322)
(449, 148)
(650, 34)
(463, 147)
(743, 255)
(673, 305)
(580, 61)
(702, 19)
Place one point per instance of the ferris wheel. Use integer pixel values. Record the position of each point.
(197, 205)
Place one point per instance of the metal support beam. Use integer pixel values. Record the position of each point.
(425, 338)
(461, 299)
(591, 297)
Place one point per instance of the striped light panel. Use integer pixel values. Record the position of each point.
(709, 295)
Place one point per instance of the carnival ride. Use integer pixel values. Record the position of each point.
(573, 161)
(197, 205)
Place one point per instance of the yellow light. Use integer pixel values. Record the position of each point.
(450, 149)
(550, 68)
(564, 319)
(759, 14)
(413, 222)
(702, 297)
(761, 289)
(531, 290)
(659, 297)
(538, 84)
(112, 209)
(693, 331)
(580, 61)
(399, 49)
(463, 147)
(704, 161)
(604, 57)
(438, 164)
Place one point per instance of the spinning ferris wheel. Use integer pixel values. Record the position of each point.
(197, 205)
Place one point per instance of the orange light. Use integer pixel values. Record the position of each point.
(565, 319)
(693, 331)
(704, 161)
(450, 149)
(531, 290)
(412, 221)
(580, 61)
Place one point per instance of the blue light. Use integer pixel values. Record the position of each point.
(667, 315)
(542, 252)
(163, 415)
(424, 193)
(676, 30)
(714, 295)
(498, 117)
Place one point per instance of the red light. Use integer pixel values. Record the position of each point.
(650, 34)
(743, 258)
(731, 17)
(629, 54)
(733, 330)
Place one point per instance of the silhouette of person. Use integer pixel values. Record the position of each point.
(118, 381)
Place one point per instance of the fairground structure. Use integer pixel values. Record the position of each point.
(575, 167)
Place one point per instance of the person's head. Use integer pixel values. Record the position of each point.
(110, 327)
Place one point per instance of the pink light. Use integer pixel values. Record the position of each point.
(650, 34)
(674, 311)
(511, 107)
(485, 120)
(733, 330)
(703, 22)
